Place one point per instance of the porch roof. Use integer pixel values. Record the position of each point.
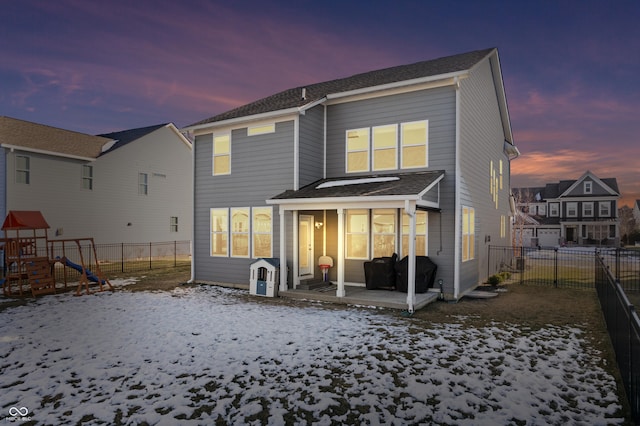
(400, 186)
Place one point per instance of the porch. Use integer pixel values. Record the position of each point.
(355, 295)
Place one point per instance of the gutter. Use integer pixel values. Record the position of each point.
(42, 151)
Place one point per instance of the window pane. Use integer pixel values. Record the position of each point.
(219, 234)
(358, 140)
(221, 145)
(384, 137)
(218, 244)
(262, 231)
(384, 232)
(221, 165)
(357, 238)
(261, 245)
(357, 222)
(414, 156)
(414, 133)
(240, 245)
(357, 162)
(22, 162)
(357, 246)
(219, 220)
(269, 128)
(384, 159)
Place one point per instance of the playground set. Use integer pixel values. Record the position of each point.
(30, 257)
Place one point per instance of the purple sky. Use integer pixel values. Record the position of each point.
(571, 68)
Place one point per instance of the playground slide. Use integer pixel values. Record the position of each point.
(78, 268)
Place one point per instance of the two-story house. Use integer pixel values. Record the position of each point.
(132, 186)
(580, 212)
(413, 160)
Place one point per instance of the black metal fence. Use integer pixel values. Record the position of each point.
(623, 325)
(120, 258)
(565, 266)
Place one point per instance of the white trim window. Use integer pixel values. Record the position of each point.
(414, 141)
(588, 187)
(385, 147)
(554, 209)
(357, 234)
(219, 232)
(173, 224)
(262, 231)
(221, 161)
(383, 229)
(587, 209)
(143, 184)
(604, 209)
(572, 209)
(87, 177)
(240, 232)
(23, 169)
(357, 146)
(421, 233)
(468, 233)
(261, 129)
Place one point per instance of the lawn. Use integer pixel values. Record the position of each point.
(206, 355)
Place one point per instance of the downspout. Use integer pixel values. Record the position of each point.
(193, 211)
(411, 267)
(458, 204)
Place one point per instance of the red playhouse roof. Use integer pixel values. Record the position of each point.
(25, 220)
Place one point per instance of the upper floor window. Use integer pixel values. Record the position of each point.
(23, 169)
(385, 147)
(143, 183)
(414, 137)
(173, 224)
(221, 155)
(261, 130)
(605, 209)
(358, 150)
(87, 177)
(468, 233)
(587, 209)
(588, 187)
(554, 209)
(572, 209)
(357, 234)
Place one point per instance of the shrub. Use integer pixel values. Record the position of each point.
(494, 279)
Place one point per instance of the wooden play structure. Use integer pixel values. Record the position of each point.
(30, 257)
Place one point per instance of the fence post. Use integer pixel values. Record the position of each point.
(521, 264)
(175, 253)
(150, 256)
(617, 275)
(555, 266)
(122, 257)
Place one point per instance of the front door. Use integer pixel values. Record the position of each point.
(305, 245)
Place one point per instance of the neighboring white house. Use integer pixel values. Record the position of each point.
(413, 160)
(569, 212)
(133, 186)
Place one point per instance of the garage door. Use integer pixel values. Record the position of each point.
(548, 237)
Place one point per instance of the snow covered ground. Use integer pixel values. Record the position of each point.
(205, 354)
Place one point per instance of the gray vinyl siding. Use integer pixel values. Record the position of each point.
(311, 145)
(103, 213)
(436, 105)
(481, 142)
(262, 166)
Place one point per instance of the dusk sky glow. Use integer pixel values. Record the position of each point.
(570, 67)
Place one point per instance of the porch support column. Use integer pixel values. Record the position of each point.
(283, 251)
(340, 292)
(410, 209)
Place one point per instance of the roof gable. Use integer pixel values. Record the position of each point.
(599, 186)
(304, 95)
(24, 219)
(45, 139)
(124, 137)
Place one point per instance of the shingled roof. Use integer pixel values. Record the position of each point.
(401, 184)
(43, 138)
(124, 137)
(292, 98)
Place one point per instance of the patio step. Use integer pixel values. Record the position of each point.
(312, 284)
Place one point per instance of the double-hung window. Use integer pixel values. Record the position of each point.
(143, 184)
(554, 209)
(173, 224)
(357, 150)
(605, 209)
(588, 187)
(357, 234)
(384, 232)
(421, 233)
(23, 169)
(468, 233)
(240, 232)
(572, 209)
(219, 232)
(385, 147)
(414, 139)
(587, 209)
(87, 177)
(262, 231)
(221, 154)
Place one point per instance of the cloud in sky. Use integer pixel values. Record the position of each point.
(569, 67)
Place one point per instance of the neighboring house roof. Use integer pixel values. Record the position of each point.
(556, 190)
(125, 136)
(305, 95)
(397, 185)
(28, 136)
